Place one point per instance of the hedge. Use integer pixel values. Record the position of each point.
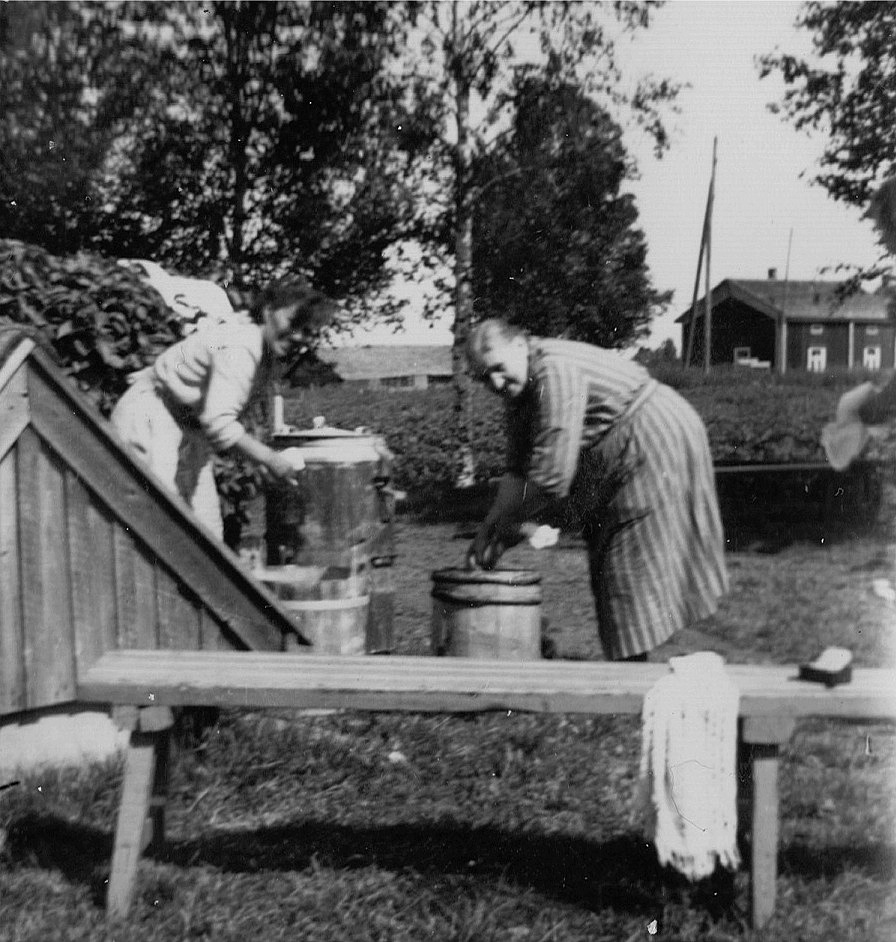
(102, 322)
(750, 418)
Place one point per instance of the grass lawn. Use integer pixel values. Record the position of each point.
(499, 827)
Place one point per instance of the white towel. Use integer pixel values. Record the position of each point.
(689, 765)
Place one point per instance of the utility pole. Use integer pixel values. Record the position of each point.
(704, 243)
(707, 322)
(781, 338)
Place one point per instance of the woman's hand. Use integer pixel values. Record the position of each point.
(484, 553)
(844, 439)
(490, 544)
(851, 402)
(501, 528)
(278, 465)
(282, 467)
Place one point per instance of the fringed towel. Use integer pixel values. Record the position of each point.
(689, 765)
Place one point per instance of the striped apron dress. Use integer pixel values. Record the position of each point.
(632, 460)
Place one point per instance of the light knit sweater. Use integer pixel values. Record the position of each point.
(214, 372)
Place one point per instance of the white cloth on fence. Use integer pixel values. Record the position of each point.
(688, 773)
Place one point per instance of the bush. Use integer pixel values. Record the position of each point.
(102, 322)
(750, 418)
(100, 319)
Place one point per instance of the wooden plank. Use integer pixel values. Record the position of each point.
(163, 523)
(135, 592)
(46, 589)
(12, 362)
(765, 827)
(136, 791)
(215, 636)
(155, 719)
(92, 560)
(767, 729)
(14, 412)
(12, 636)
(780, 468)
(453, 684)
(180, 618)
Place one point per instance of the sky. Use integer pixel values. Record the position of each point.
(766, 213)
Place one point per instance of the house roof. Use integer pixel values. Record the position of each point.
(98, 555)
(798, 300)
(382, 362)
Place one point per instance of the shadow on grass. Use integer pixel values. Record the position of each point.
(876, 861)
(620, 874)
(81, 853)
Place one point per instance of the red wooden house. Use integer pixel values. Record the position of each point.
(794, 325)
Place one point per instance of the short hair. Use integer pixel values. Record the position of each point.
(882, 211)
(484, 337)
(313, 308)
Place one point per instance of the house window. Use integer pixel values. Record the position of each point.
(871, 331)
(871, 358)
(741, 353)
(816, 329)
(816, 359)
(398, 382)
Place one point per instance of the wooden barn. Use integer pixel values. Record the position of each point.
(96, 555)
(794, 325)
(392, 366)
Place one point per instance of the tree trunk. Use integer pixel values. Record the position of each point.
(463, 273)
(238, 133)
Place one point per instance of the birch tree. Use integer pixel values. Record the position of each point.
(462, 76)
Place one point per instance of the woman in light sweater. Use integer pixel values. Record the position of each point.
(186, 407)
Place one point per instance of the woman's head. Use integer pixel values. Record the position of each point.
(290, 311)
(498, 354)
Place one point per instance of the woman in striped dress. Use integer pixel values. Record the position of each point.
(631, 459)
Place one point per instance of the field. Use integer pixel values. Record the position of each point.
(506, 828)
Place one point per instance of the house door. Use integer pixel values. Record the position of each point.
(871, 358)
(816, 359)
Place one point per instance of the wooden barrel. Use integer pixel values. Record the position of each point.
(328, 605)
(333, 626)
(487, 614)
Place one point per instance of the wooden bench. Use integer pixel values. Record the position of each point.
(143, 686)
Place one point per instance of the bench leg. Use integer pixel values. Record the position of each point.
(141, 812)
(154, 826)
(764, 737)
(765, 818)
